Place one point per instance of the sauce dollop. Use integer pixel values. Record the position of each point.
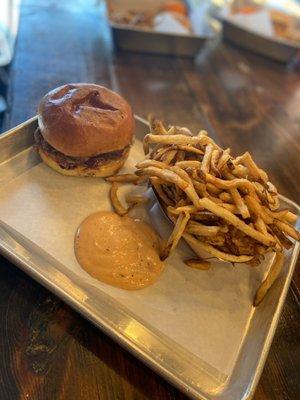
(120, 251)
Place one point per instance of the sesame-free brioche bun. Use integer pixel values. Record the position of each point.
(85, 120)
(100, 171)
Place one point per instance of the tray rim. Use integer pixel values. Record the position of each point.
(120, 338)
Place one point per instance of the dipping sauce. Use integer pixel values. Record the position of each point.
(120, 251)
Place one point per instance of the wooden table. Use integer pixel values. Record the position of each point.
(245, 101)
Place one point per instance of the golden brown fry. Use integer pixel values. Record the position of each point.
(151, 163)
(125, 178)
(260, 225)
(240, 171)
(136, 199)
(256, 209)
(176, 234)
(197, 263)
(160, 193)
(237, 198)
(225, 196)
(213, 189)
(288, 229)
(234, 183)
(158, 153)
(175, 139)
(169, 156)
(180, 156)
(216, 154)
(270, 279)
(266, 239)
(199, 247)
(190, 149)
(287, 243)
(223, 159)
(241, 212)
(195, 228)
(205, 165)
(182, 209)
(188, 164)
(253, 169)
(119, 209)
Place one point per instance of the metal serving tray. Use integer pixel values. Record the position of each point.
(277, 49)
(159, 351)
(148, 41)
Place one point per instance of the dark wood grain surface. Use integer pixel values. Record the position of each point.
(47, 351)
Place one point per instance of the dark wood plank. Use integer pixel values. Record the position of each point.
(49, 352)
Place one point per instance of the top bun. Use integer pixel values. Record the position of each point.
(84, 120)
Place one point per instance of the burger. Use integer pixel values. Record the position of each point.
(84, 130)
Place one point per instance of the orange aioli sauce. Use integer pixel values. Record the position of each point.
(120, 251)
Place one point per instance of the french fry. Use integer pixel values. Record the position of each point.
(237, 198)
(288, 229)
(215, 156)
(220, 204)
(161, 194)
(125, 178)
(273, 274)
(176, 234)
(199, 247)
(195, 228)
(136, 199)
(188, 164)
(119, 209)
(205, 165)
(266, 239)
(197, 264)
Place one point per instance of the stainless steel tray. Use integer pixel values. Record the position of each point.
(148, 41)
(277, 49)
(159, 351)
(145, 41)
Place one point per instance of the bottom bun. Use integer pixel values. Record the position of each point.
(102, 171)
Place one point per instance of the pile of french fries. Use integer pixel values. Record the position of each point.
(220, 204)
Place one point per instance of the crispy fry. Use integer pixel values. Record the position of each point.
(197, 263)
(237, 198)
(288, 229)
(253, 169)
(136, 199)
(190, 149)
(126, 178)
(213, 189)
(205, 165)
(188, 164)
(175, 139)
(161, 194)
(256, 209)
(287, 243)
(115, 200)
(266, 239)
(195, 228)
(220, 204)
(176, 234)
(199, 247)
(223, 159)
(225, 196)
(216, 154)
(169, 156)
(273, 274)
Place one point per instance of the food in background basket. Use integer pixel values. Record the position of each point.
(171, 17)
(84, 130)
(265, 19)
(220, 204)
